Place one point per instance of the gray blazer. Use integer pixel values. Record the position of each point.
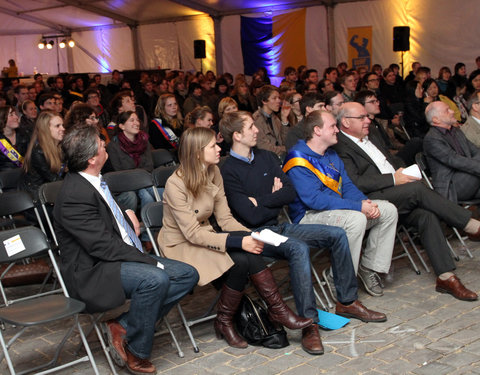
(471, 129)
(444, 161)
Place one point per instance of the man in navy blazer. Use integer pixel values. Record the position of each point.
(99, 260)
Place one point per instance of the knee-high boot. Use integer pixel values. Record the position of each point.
(226, 309)
(278, 311)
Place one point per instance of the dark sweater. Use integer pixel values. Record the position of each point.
(243, 180)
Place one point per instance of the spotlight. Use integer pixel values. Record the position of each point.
(71, 43)
(41, 44)
(63, 43)
(50, 45)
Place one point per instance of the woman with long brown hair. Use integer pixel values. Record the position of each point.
(44, 160)
(192, 195)
(167, 126)
(13, 141)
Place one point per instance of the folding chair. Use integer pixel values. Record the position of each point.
(130, 180)
(160, 175)
(17, 202)
(402, 229)
(422, 164)
(9, 179)
(21, 243)
(162, 157)
(152, 217)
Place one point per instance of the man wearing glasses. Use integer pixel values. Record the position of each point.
(379, 175)
(326, 195)
(333, 102)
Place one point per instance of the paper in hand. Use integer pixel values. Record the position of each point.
(413, 171)
(269, 237)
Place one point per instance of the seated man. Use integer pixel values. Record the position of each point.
(102, 259)
(309, 103)
(257, 189)
(471, 128)
(385, 128)
(272, 131)
(379, 175)
(325, 195)
(454, 161)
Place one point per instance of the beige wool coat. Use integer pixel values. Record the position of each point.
(187, 235)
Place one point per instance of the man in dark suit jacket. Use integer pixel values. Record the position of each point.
(454, 161)
(99, 259)
(379, 175)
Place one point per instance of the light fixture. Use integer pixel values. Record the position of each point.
(71, 43)
(63, 43)
(41, 44)
(50, 44)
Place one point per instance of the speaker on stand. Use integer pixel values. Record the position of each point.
(199, 51)
(401, 40)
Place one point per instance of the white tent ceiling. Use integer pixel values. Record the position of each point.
(50, 16)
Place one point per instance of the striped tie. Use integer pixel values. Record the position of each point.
(119, 216)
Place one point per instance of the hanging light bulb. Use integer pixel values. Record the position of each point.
(71, 43)
(50, 44)
(63, 43)
(41, 44)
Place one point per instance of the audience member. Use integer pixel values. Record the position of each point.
(13, 141)
(29, 116)
(167, 126)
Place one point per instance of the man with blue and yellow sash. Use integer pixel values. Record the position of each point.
(326, 195)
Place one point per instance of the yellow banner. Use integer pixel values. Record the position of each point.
(360, 47)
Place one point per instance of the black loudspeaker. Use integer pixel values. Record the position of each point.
(199, 49)
(401, 38)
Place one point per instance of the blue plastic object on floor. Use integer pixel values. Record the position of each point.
(331, 321)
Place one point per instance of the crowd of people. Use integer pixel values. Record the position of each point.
(332, 148)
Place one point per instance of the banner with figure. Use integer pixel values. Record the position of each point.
(360, 47)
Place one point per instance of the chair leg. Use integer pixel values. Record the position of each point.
(407, 254)
(462, 242)
(174, 338)
(87, 347)
(410, 239)
(7, 356)
(452, 251)
(187, 328)
(106, 350)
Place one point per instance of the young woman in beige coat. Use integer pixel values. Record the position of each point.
(192, 195)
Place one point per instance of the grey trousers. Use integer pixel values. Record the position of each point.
(379, 248)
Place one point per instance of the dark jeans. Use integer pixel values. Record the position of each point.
(297, 252)
(153, 292)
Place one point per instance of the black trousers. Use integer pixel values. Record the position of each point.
(422, 208)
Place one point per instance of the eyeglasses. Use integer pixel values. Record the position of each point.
(373, 80)
(376, 101)
(361, 117)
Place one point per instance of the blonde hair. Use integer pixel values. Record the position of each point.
(192, 163)
(175, 122)
(224, 103)
(50, 147)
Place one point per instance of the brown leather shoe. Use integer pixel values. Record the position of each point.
(454, 286)
(356, 310)
(116, 341)
(311, 341)
(139, 366)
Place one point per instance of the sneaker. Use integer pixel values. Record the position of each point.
(327, 276)
(371, 281)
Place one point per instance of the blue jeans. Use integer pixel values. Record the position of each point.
(297, 252)
(152, 293)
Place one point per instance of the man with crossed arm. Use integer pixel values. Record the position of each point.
(257, 189)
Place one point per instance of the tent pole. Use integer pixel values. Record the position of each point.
(331, 33)
(136, 49)
(217, 30)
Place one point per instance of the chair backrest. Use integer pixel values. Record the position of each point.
(152, 218)
(128, 180)
(22, 243)
(422, 164)
(162, 157)
(161, 174)
(9, 179)
(14, 202)
(48, 192)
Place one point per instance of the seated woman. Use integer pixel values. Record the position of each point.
(200, 117)
(130, 149)
(167, 126)
(13, 141)
(44, 161)
(241, 94)
(192, 194)
(30, 113)
(295, 115)
(123, 101)
(84, 114)
(432, 91)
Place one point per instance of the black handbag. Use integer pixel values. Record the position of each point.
(256, 328)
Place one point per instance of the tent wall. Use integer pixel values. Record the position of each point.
(438, 34)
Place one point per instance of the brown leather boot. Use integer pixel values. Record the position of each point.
(278, 311)
(226, 309)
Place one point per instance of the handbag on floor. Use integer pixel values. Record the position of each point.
(256, 328)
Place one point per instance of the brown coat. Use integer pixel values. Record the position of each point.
(187, 235)
(268, 138)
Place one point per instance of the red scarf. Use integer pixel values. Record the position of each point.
(134, 149)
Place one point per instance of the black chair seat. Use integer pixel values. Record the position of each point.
(41, 310)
